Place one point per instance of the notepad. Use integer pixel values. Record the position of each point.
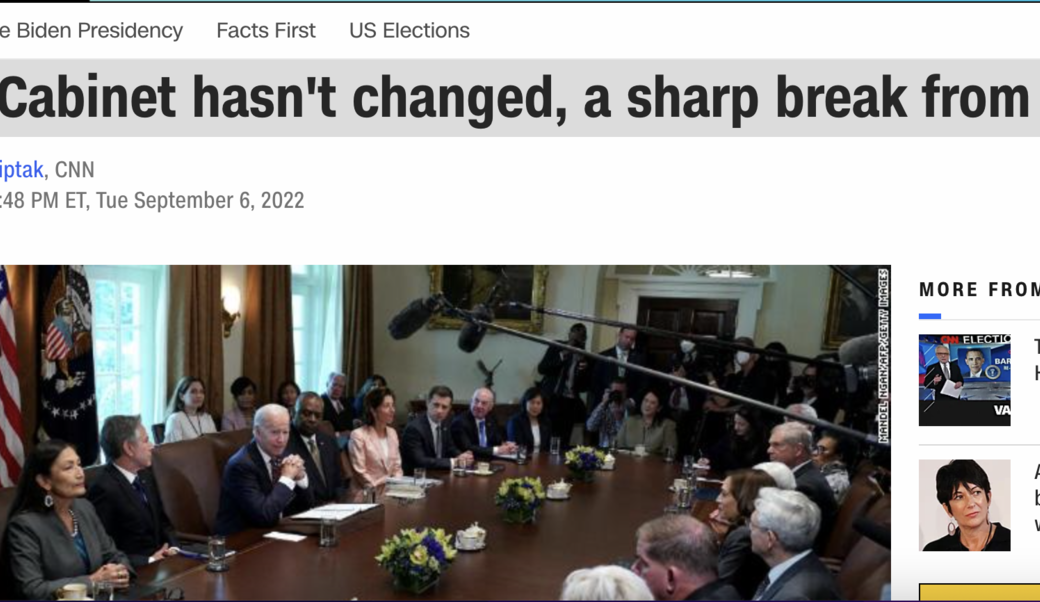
(335, 512)
(411, 481)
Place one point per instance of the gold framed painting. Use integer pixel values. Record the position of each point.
(469, 285)
(850, 313)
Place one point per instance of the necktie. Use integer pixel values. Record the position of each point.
(623, 358)
(437, 441)
(483, 433)
(762, 589)
(946, 370)
(276, 470)
(312, 446)
(139, 488)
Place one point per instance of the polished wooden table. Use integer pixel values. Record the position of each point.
(521, 562)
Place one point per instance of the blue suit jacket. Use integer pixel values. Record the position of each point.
(249, 499)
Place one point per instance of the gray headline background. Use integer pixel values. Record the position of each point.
(570, 80)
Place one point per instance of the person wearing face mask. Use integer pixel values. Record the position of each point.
(605, 374)
(748, 375)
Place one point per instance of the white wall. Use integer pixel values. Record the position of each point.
(432, 357)
(794, 309)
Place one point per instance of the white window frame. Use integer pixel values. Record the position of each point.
(154, 308)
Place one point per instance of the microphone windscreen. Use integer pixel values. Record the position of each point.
(472, 334)
(859, 351)
(410, 319)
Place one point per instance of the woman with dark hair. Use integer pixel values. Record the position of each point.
(375, 381)
(54, 538)
(650, 429)
(375, 453)
(738, 564)
(743, 446)
(529, 427)
(962, 488)
(188, 416)
(243, 391)
(288, 392)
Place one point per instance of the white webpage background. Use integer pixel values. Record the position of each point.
(934, 208)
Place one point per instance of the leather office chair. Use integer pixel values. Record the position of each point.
(862, 494)
(868, 565)
(189, 476)
(158, 433)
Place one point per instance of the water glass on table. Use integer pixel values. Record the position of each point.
(217, 554)
(328, 538)
(104, 590)
(521, 454)
(554, 446)
(419, 476)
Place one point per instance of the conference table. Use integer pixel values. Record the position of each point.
(595, 526)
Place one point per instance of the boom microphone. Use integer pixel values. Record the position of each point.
(472, 333)
(410, 319)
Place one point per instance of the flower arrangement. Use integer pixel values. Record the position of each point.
(417, 558)
(583, 461)
(520, 499)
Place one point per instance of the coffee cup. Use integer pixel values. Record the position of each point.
(640, 450)
(679, 484)
(483, 467)
(73, 591)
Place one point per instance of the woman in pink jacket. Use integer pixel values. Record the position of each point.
(375, 454)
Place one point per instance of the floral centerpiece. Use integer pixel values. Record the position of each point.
(520, 498)
(417, 558)
(583, 462)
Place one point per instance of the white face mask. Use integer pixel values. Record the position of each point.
(743, 357)
(686, 346)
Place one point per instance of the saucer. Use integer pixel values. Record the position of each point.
(612, 468)
(562, 498)
(473, 549)
(483, 473)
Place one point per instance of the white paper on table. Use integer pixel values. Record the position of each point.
(427, 482)
(951, 389)
(335, 512)
(285, 536)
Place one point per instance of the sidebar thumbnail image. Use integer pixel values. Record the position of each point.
(964, 379)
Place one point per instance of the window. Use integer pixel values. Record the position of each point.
(317, 308)
(129, 308)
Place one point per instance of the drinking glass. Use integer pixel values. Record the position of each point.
(419, 476)
(328, 536)
(217, 555)
(689, 467)
(521, 454)
(554, 446)
(669, 455)
(103, 590)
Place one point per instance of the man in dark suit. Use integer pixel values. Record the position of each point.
(565, 376)
(338, 410)
(125, 496)
(677, 557)
(261, 483)
(791, 443)
(427, 442)
(604, 374)
(476, 430)
(320, 452)
(783, 527)
(936, 375)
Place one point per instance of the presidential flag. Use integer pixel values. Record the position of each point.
(68, 404)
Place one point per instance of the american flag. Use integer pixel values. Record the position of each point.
(12, 455)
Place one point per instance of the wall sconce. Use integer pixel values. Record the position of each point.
(231, 300)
